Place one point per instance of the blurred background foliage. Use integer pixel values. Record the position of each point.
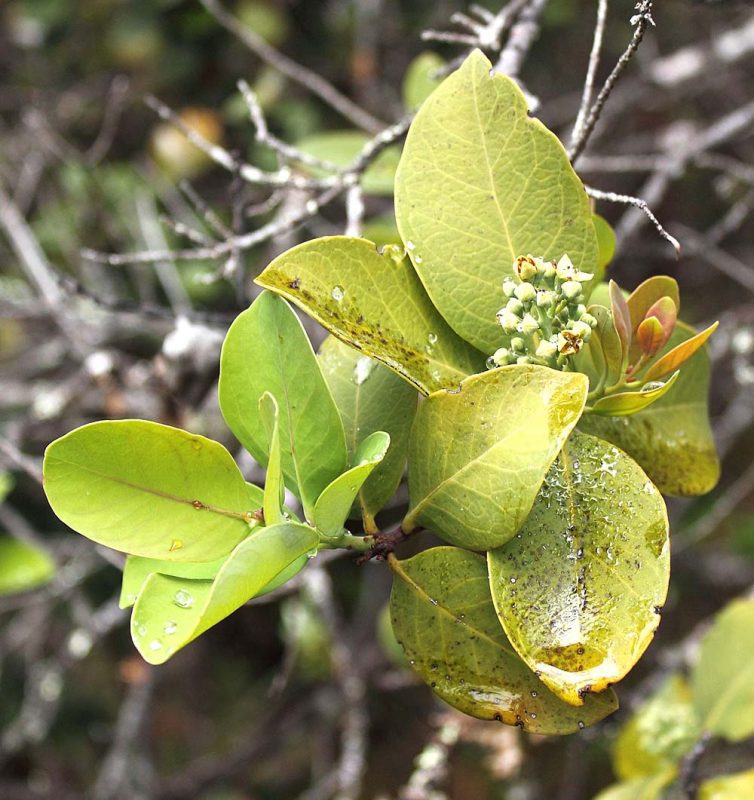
(253, 709)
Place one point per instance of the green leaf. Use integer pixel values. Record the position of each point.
(375, 303)
(672, 439)
(334, 504)
(274, 490)
(267, 350)
(722, 681)
(578, 590)
(421, 79)
(602, 358)
(641, 788)
(22, 566)
(478, 456)
(605, 241)
(625, 403)
(661, 731)
(729, 787)
(480, 183)
(341, 148)
(370, 397)
(148, 489)
(170, 611)
(444, 620)
(6, 485)
(138, 569)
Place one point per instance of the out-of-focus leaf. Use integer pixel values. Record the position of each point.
(579, 588)
(661, 731)
(444, 620)
(267, 350)
(722, 680)
(22, 566)
(478, 456)
(421, 79)
(729, 787)
(341, 149)
(650, 788)
(605, 241)
(480, 182)
(148, 489)
(374, 302)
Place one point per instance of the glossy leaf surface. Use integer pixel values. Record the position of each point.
(480, 182)
(267, 350)
(444, 620)
(579, 588)
(376, 303)
(370, 398)
(477, 457)
(624, 403)
(170, 611)
(148, 489)
(672, 439)
(722, 680)
(333, 505)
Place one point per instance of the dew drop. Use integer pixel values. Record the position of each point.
(183, 599)
(651, 386)
(513, 579)
(155, 644)
(418, 259)
(337, 293)
(169, 627)
(363, 369)
(410, 246)
(491, 363)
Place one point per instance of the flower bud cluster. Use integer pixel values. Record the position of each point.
(545, 319)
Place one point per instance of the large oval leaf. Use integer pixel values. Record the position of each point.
(22, 566)
(444, 620)
(480, 183)
(370, 398)
(148, 489)
(722, 680)
(478, 456)
(374, 302)
(672, 439)
(267, 350)
(170, 611)
(578, 591)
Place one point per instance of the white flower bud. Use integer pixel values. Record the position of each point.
(580, 310)
(502, 357)
(545, 298)
(515, 306)
(581, 329)
(565, 269)
(529, 324)
(547, 349)
(509, 322)
(589, 320)
(525, 292)
(571, 289)
(509, 287)
(523, 360)
(517, 344)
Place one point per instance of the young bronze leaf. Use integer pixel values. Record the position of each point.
(148, 489)
(672, 439)
(374, 302)
(621, 316)
(646, 294)
(443, 618)
(578, 590)
(480, 182)
(171, 611)
(267, 350)
(679, 355)
(478, 456)
(370, 398)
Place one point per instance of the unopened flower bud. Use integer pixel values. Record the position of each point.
(515, 306)
(589, 320)
(547, 349)
(580, 310)
(581, 329)
(545, 298)
(509, 287)
(518, 344)
(565, 269)
(529, 324)
(571, 289)
(502, 357)
(525, 267)
(523, 360)
(525, 292)
(509, 322)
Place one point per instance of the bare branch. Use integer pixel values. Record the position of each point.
(594, 62)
